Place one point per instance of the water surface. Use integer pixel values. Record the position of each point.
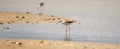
(56, 32)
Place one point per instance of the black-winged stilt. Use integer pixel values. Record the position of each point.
(41, 8)
(67, 24)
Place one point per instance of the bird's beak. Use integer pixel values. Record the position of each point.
(78, 22)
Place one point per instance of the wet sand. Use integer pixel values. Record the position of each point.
(45, 44)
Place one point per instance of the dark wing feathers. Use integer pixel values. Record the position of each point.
(70, 21)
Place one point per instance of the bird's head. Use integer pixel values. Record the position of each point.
(59, 21)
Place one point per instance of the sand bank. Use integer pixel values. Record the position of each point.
(15, 18)
(44, 44)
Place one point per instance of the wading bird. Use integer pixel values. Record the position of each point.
(41, 7)
(67, 24)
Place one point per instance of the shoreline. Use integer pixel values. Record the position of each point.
(19, 18)
(16, 18)
(60, 40)
(49, 44)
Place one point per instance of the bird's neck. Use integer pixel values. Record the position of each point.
(63, 21)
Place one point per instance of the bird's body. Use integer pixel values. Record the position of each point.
(41, 6)
(67, 23)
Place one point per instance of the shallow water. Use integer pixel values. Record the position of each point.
(56, 32)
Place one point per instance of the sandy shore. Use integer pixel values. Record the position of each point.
(44, 44)
(15, 18)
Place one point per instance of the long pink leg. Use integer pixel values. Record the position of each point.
(66, 33)
(69, 31)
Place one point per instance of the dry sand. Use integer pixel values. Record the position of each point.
(15, 18)
(44, 44)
